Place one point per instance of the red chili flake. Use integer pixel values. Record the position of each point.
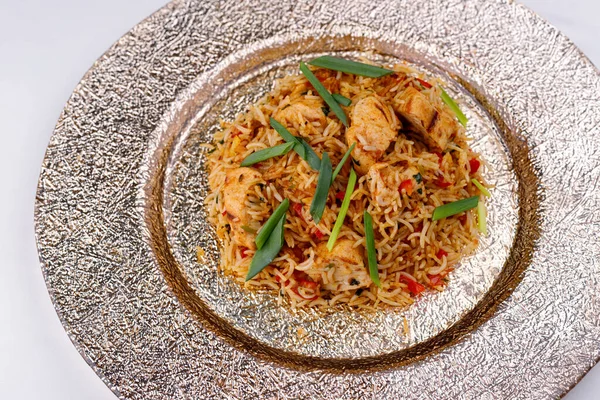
(297, 207)
(435, 280)
(427, 85)
(463, 219)
(302, 279)
(441, 253)
(474, 165)
(318, 234)
(399, 77)
(407, 186)
(440, 158)
(224, 213)
(414, 287)
(244, 252)
(419, 227)
(442, 183)
(308, 284)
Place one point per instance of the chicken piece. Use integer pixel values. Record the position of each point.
(238, 183)
(443, 130)
(373, 128)
(414, 106)
(350, 271)
(382, 185)
(386, 182)
(302, 110)
(436, 126)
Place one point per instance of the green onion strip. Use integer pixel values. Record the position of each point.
(456, 207)
(269, 226)
(268, 252)
(300, 146)
(350, 67)
(342, 162)
(265, 154)
(343, 210)
(482, 217)
(321, 193)
(371, 252)
(310, 156)
(324, 93)
(343, 100)
(462, 118)
(481, 188)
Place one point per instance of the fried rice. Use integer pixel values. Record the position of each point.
(411, 156)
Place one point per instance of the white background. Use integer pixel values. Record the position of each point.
(45, 48)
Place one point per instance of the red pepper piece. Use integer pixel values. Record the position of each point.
(297, 207)
(474, 165)
(302, 279)
(244, 252)
(442, 183)
(441, 253)
(318, 234)
(407, 186)
(427, 85)
(414, 287)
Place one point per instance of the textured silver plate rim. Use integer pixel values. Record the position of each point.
(118, 308)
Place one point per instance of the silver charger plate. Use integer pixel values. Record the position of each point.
(119, 210)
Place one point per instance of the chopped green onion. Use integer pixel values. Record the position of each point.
(481, 218)
(371, 252)
(456, 207)
(269, 251)
(454, 107)
(268, 227)
(342, 161)
(300, 146)
(350, 67)
(301, 150)
(265, 154)
(318, 203)
(418, 177)
(283, 132)
(343, 210)
(248, 229)
(324, 93)
(343, 100)
(309, 155)
(481, 188)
